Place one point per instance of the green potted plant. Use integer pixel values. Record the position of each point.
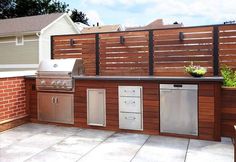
(195, 71)
(228, 100)
(229, 76)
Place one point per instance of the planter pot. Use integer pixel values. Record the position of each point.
(196, 75)
(228, 111)
(229, 88)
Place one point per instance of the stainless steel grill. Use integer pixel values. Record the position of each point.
(57, 74)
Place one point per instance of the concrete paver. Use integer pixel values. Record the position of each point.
(45, 143)
(163, 149)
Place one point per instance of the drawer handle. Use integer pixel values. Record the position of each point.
(130, 118)
(129, 91)
(129, 102)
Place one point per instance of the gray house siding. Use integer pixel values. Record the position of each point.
(10, 53)
(23, 54)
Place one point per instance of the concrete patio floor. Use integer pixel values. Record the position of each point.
(48, 143)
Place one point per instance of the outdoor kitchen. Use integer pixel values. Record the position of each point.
(98, 82)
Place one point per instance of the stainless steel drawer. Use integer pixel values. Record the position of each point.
(130, 91)
(129, 104)
(131, 121)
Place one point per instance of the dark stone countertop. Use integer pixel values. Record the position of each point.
(151, 78)
(30, 76)
(143, 78)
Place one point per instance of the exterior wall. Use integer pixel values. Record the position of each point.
(208, 106)
(31, 99)
(12, 99)
(19, 57)
(228, 112)
(60, 27)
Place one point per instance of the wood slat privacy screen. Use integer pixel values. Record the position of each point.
(76, 46)
(128, 58)
(171, 54)
(227, 45)
(159, 52)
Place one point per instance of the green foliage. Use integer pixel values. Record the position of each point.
(6, 9)
(229, 76)
(78, 16)
(20, 8)
(195, 70)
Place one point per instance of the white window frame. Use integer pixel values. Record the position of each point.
(22, 43)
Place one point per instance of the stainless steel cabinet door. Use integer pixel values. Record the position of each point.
(96, 107)
(179, 112)
(64, 111)
(130, 121)
(46, 106)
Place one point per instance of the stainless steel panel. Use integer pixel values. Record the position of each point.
(96, 107)
(60, 66)
(46, 110)
(130, 91)
(179, 86)
(56, 107)
(130, 104)
(131, 121)
(64, 108)
(178, 109)
(52, 84)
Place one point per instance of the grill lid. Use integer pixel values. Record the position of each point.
(61, 66)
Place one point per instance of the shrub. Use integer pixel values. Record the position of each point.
(229, 76)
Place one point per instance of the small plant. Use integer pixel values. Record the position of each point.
(229, 76)
(196, 71)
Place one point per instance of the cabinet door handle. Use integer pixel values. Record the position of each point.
(53, 100)
(56, 100)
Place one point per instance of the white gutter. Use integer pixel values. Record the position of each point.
(18, 33)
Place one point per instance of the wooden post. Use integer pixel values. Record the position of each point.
(97, 54)
(216, 50)
(52, 43)
(151, 52)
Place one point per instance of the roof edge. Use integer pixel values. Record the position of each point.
(53, 22)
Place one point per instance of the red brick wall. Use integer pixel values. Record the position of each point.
(12, 98)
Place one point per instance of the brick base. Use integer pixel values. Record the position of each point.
(13, 123)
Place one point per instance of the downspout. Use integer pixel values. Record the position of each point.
(38, 34)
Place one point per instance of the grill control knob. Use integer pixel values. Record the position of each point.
(42, 82)
(59, 83)
(53, 83)
(64, 84)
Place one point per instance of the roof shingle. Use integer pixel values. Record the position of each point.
(26, 24)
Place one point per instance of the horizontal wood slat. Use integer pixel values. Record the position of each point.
(171, 54)
(151, 106)
(227, 46)
(129, 58)
(228, 112)
(169, 50)
(83, 47)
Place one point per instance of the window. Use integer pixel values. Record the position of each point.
(19, 40)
